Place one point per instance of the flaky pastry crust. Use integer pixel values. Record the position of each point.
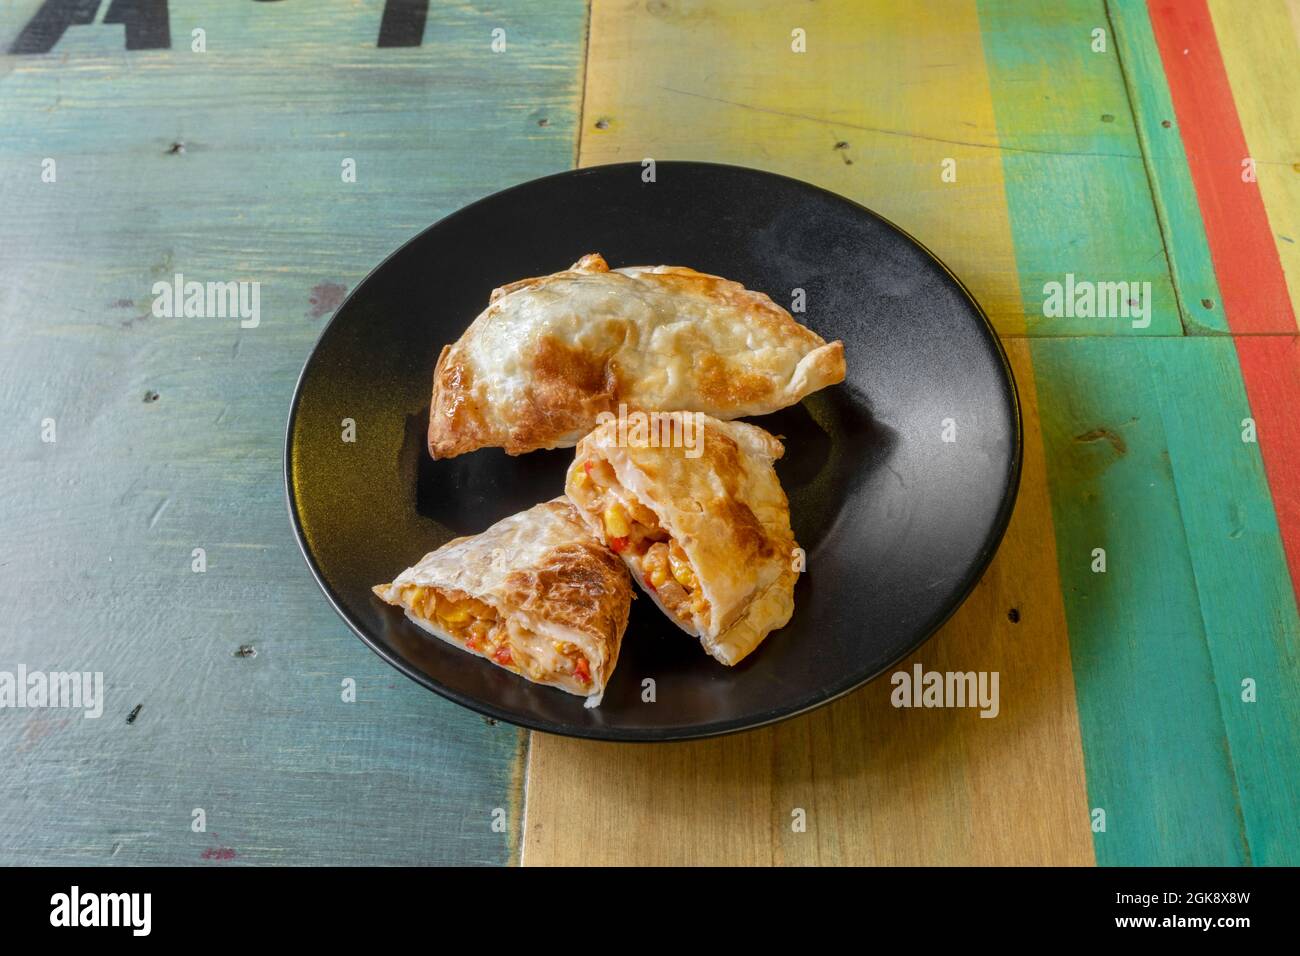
(551, 353)
(726, 511)
(547, 580)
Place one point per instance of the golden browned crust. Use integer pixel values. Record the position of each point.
(455, 424)
(550, 353)
(570, 387)
(580, 586)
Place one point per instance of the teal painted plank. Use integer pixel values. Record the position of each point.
(1195, 600)
(1154, 740)
(1252, 627)
(1077, 191)
(1166, 161)
(99, 526)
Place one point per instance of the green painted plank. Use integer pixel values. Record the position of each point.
(1077, 191)
(1166, 161)
(99, 526)
(1196, 599)
(1252, 627)
(1153, 736)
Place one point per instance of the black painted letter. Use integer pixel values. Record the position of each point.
(403, 22)
(147, 24)
(54, 17)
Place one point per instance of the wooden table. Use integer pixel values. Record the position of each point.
(1023, 142)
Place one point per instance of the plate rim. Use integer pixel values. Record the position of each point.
(989, 548)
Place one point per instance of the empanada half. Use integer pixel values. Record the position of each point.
(535, 593)
(550, 353)
(707, 535)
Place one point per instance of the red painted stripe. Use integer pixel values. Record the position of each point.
(1250, 274)
(1246, 263)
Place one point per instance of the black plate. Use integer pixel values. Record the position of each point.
(897, 523)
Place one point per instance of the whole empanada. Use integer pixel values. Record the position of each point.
(704, 527)
(549, 354)
(535, 593)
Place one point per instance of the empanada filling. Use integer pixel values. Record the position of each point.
(508, 643)
(633, 530)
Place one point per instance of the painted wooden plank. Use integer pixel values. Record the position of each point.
(878, 784)
(1216, 148)
(1260, 49)
(1194, 599)
(1246, 255)
(1199, 301)
(1077, 189)
(169, 431)
(1251, 624)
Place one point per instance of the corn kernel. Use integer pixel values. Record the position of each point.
(454, 613)
(681, 567)
(616, 524)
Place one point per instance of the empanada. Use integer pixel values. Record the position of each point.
(704, 530)
(535, 593)
(549, 354)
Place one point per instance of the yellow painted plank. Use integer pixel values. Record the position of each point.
(879, 785)
(884, 93)
(1260, 45)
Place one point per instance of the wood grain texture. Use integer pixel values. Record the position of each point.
(1199, 302)
(1142, 640)
(1250, 273)
(1260, 47)
(100, 525)
(878, 784)
(1246, 254)
(1252, 628)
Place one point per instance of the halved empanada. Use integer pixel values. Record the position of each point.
(535, 593)
(704, 528)
(549, 354)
